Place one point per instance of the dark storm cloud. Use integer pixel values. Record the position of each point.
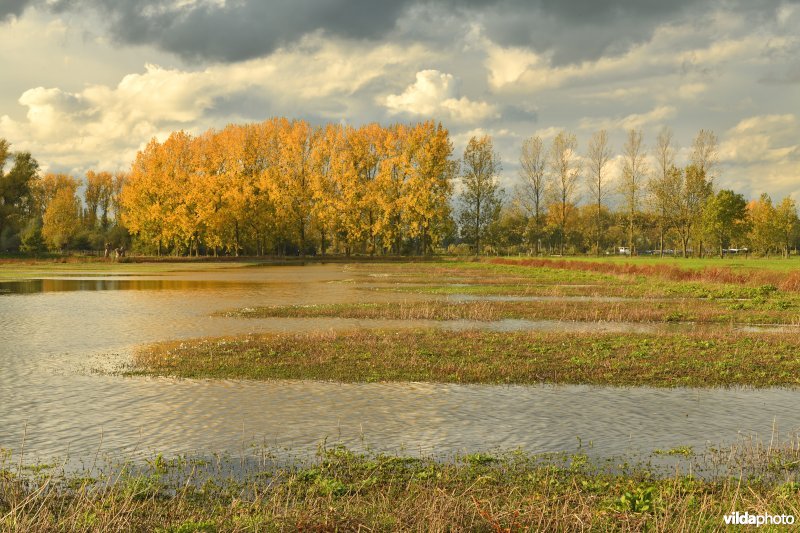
(581, 30)
(573, 30)
(12, 8)
(241, 30)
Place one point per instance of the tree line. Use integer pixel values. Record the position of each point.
(40, 212)
(572, 202)
(286, 187)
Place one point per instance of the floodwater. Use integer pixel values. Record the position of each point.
(55, 332)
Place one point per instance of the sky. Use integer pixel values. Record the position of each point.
(87, 83)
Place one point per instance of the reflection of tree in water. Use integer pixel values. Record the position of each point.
(69, 285)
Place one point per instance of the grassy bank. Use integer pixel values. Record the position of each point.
(660, 360)
(345, 491)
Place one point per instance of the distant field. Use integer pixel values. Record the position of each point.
(737, 262)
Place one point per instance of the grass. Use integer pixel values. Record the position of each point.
(655, 360)
(756, 311)
(786, 279)
(736, 263)
(572, 277)
(341, 490)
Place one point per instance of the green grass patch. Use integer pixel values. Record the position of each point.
(661, 360)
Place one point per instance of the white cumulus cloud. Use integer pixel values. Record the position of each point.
(436, 94)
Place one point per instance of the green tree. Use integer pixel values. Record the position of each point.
(725, 218)
(481, 196)
(664, 185)
(664, 199)
(99, 190)
(16, 194)
(31, 240)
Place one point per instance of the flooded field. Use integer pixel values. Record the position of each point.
(60, 333)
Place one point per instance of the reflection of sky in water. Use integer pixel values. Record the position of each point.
(48, 341)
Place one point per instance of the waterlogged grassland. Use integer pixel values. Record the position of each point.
(572, 277)
(661, 360)
(346, 491)
(710, 354)
(751, 312)
(652, 295)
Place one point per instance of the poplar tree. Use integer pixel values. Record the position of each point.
(481, 195)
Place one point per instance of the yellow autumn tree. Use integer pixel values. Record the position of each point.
(62, 218)
(429, 186)
(280, 186)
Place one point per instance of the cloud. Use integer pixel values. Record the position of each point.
(436, 94)
(507, 67)
(232, 31)
(762, 154)
(673, 50)
(764, 138)
(12, 8)
(236, 30)
(104, 125)
(690, 91)
(633, 121)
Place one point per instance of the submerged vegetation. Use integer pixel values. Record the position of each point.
(347, 491)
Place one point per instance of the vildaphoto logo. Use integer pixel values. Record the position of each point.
(747, 519)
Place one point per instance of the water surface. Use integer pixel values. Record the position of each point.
(54, 331)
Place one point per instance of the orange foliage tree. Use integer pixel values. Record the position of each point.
(284, 186)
